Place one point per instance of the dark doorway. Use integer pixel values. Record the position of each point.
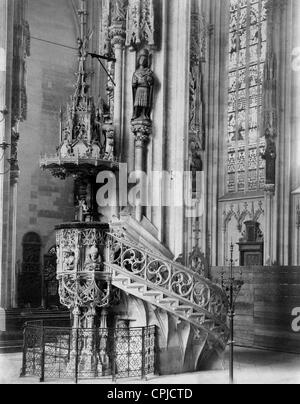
(30, 280)
(50, 282)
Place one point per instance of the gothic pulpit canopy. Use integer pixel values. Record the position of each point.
(86, 136)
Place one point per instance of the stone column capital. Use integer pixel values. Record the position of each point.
(141, 130)
(270, 190)
(118, 35)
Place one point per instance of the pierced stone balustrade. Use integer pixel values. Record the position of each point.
(169, 285)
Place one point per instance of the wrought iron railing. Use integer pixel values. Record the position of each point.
(68, 353)
(169, 277)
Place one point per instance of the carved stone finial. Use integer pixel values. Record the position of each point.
(119, 11)
(118, 27)
(200, 31)
(140, 24)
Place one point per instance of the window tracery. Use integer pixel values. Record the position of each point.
(247, 55)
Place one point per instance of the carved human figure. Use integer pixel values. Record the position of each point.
(94, 258)
(68, 260)
(66, 149)
(270, 157)
(119, 10)
(142, 85)
(83, 210)
(110, 142)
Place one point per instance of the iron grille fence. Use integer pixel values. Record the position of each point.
(67, 353)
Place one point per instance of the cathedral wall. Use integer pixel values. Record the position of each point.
(295, 139)
(44, 201)
(166, 149)
(279, 209)
(266, 308)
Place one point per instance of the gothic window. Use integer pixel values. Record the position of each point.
(31, 252)
(247, 54)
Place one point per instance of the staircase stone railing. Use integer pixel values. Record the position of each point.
(203, 303)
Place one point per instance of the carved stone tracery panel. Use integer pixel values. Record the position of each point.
(234, 216)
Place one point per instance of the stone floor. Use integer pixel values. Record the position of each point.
(251, 367)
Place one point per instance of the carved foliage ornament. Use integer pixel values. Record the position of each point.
(241, 214)
(129, 22)
(199, 33)
(140, 23)
(79, 250)
(19, 95)
(21, 52)
(119, 10)
(85, 138)
(270, 120)
(132, 21)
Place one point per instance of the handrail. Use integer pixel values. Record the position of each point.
(168, 276)
(166, 260)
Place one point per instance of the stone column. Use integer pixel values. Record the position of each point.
(277, 131)
(213, 163)
(3, 56)
(118, 43)
(141, 131)
(269, 223)
(294, 244)
(14, 275)
(118, 35)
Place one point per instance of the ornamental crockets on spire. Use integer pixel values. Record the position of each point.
(199, 34)
(270, 113)
(140, 24)
(85, 138)
(131, 21)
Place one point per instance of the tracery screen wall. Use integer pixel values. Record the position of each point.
(247, 54)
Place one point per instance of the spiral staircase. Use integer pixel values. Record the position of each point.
(157, 280)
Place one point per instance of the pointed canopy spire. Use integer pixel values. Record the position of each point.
(84, 140)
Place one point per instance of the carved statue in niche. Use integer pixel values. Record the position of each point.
(198, 262)
(120, 10)
(68, 260)
(195, 148)
(270, 157)
(94, 259)
(15, 136)
(142, 85)
(109, 142)
(66, 149)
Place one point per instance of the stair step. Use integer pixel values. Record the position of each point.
(169, 301)
(135, 286)
(197, 315)
(120, 278)
(184, 308)
(153, 293)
